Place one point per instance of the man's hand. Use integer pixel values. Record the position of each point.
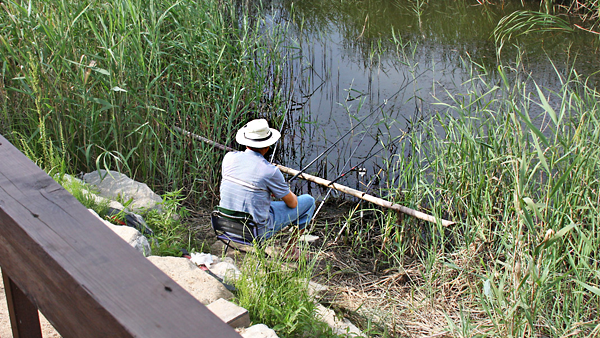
(290, 200)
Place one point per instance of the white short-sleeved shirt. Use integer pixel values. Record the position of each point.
(248, 182)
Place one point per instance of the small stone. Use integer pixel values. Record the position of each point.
(308, 238)
(316, 289)
(227, 271)
(258, 331)
(341, 327)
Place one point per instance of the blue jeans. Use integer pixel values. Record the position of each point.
(283, 216)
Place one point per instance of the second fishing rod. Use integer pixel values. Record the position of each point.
(358, 124)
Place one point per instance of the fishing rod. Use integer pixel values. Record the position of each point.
(352, 169)
(345, 164)
(331, 146)
(361, 121)
(401, 137)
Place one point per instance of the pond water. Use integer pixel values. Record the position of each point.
(345, 63)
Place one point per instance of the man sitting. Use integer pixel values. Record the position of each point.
(249, 181)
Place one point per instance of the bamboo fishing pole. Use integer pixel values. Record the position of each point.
(329, 184)
(364, 196)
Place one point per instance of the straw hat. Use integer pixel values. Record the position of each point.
(257, 134)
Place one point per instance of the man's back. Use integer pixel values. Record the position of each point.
(248, 182)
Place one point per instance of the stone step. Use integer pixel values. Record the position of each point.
(232, 314)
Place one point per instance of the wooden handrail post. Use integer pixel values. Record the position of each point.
(24, 318)
(82, 276)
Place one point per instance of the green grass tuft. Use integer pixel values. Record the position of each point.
(277, 295)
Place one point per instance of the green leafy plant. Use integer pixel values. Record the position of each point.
(170, 233)
(83, 193)
(520, 23)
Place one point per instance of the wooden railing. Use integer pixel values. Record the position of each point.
(59, 258)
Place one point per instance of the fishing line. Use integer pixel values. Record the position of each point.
(331, 146)
(345, 164)
(352, 169)
(359, 123)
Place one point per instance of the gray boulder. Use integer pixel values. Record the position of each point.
(114, 185)
(133, 237)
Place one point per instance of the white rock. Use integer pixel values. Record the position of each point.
(129, 235)
(198, 283)
(133, 237)
(341, 327)
(258, 331)
(112, 185)
(227, 271)
(308, 238)
(316, 289)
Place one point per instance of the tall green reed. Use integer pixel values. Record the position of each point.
(114, 76)
(516, 166)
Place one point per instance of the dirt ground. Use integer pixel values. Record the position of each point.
(376, 294)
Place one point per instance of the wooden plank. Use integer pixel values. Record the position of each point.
(24, 318)
(85, 279)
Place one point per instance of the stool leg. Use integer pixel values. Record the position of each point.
(227, 247)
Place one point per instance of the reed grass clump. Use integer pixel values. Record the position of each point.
(110, 78)
(517, 166)
(277, 294)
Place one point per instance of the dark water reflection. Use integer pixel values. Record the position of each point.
(347, 61)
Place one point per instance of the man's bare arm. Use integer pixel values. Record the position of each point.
(290, 200)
